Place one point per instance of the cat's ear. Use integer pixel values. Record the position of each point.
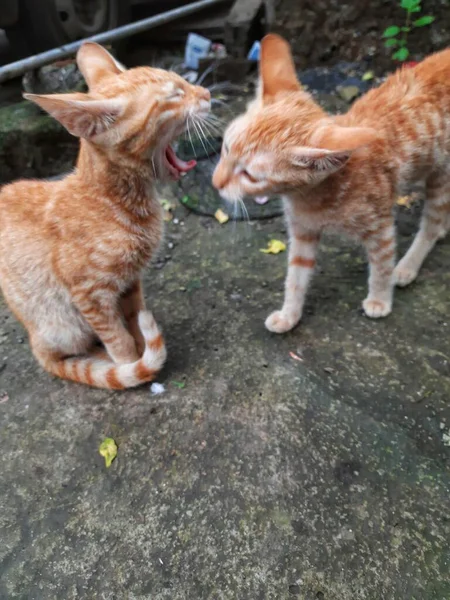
(95, 62)
(335, 146)
(337, 138)
(277, 68)
(81, 116)
(318, 160)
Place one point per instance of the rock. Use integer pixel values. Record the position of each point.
(348, 92)
(32, 144)
(229, 69)
(56, 78)
(244, 25)
(327, 31)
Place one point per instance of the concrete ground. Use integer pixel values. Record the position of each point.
(255, 475)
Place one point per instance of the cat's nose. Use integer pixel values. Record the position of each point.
(204, 94)
(219, 178)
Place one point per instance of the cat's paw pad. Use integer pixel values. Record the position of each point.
(403, 276)
(375, 309)
(278, 323)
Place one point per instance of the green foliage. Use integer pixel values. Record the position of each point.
(391, 31)
(397, 37)
(401, 54)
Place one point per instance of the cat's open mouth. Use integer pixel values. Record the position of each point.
(175, 165)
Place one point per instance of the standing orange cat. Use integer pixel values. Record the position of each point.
(344, 171)
(72, 251)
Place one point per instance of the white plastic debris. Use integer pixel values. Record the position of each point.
(157, 388)
(197, 47)
(191, 76)
(254, 51)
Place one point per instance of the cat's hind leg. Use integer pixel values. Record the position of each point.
(434, 225)
(380, 246)
(132, 303)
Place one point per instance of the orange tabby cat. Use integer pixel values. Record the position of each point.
(344, 171)
(72, 251)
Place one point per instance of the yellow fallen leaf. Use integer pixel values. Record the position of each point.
(404, 201)
(367, 76)
(274, 247)
(221, 216)
(166, 204)
(108, 450)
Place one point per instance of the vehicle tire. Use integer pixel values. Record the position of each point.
(45, 24)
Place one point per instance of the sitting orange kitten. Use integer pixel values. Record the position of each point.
(72, 251)
(344, 171)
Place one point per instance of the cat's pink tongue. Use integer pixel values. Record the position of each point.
(181, 165)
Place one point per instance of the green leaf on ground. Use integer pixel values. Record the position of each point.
(108, 449)
(179, 384)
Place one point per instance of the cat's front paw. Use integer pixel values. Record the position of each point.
(278, 322)
(375, 309)
(404, 275)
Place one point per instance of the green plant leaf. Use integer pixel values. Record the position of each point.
(179, 384)
(401, 54)
(410, 4)
(427, 20)
(406, 29)
(391, 42)
(417, 9)
(391, 31)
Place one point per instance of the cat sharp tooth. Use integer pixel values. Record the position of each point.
(183, 174)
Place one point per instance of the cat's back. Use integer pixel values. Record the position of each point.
(425, 87)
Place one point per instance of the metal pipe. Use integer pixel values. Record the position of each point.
(38, 60)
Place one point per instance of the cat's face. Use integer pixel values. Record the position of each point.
(134, 115)
(284, 141)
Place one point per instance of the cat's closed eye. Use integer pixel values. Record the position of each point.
(249, 176)
(179, 93)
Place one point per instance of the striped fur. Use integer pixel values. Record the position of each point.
(72, 251)
(344, 172)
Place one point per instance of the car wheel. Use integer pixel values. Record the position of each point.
(49, 23)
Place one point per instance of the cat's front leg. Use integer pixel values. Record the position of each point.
(99, 306)
(380, 246)
(302, 259)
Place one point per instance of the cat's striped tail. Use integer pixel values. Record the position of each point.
(102, 373)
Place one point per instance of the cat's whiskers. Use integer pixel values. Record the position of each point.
(199, 136)
(212, 128)
(220, 103)
(244, 210)
(189, 134)
(206, 72)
